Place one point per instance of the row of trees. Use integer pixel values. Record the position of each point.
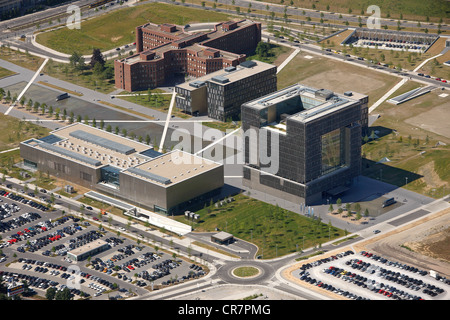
(349, 209)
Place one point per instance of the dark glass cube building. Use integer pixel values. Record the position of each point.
(301, 143)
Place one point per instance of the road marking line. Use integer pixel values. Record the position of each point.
(169, 115)
(26, 87)
(216, 142)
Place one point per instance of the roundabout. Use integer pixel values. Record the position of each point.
(245, 272)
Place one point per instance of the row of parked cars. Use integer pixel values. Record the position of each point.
(21, 199)
(307, 266)
(402, 278)
(19, 221)
(6, 209)
(429, 77)
(63, 272)
(393, 263)
(306, 276)
(373, 285)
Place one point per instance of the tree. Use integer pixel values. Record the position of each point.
(98, 70)
(358, 208)
(63, 295)
(330, 208)
(76, 61)
(36, 106)
(97, 57)
(262, 49)
(50, 294)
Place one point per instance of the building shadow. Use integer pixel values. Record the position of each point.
(376, 180)
(388, 174)
(376, 132)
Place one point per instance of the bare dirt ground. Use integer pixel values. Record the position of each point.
(431, 120)
(425, 244)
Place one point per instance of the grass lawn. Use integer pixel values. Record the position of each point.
(21, 59)
(274, 230)
(99, 205)
(156, 100)
(419, 125)
(118, 27)
(276, 54)
(410, 9)
(15, 131)
(86, 78)
(5, 72)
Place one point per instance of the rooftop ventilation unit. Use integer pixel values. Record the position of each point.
(220, 79)
(248, 64)
(229, 69)
(70, 154)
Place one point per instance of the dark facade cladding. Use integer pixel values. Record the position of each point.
(168, 190)
(166, 49)
(314, 139)
(221, 94)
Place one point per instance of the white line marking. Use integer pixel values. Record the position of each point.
(285, 62)
(216, 142)
(5, 151)
(387, 95)
(26, 87)
(169, 115)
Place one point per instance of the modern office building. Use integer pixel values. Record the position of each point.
(220, 94)
(124, 168)
(306, 142)
(167, 50)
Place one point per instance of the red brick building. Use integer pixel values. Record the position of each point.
(165, 50)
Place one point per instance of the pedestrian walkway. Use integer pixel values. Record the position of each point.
(285, 62)
(388, 94)
(26, 87)
(166, 126)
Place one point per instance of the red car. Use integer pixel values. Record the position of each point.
(438, 79)
(95, 218)
(443, 80)
(130, 267)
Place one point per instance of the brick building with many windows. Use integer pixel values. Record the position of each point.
(166, 50)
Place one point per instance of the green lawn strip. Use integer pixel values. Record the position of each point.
(5, 72)
(117, 28)
(274, 230)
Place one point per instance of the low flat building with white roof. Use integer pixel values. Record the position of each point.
(88, 250)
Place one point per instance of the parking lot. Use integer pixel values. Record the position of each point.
(41, 239)
(366, 275)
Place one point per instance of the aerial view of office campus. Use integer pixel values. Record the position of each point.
(246, 151)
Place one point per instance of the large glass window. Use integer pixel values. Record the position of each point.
(110, 175)
(332, 151)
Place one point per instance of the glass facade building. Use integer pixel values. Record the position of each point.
(314, 136)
